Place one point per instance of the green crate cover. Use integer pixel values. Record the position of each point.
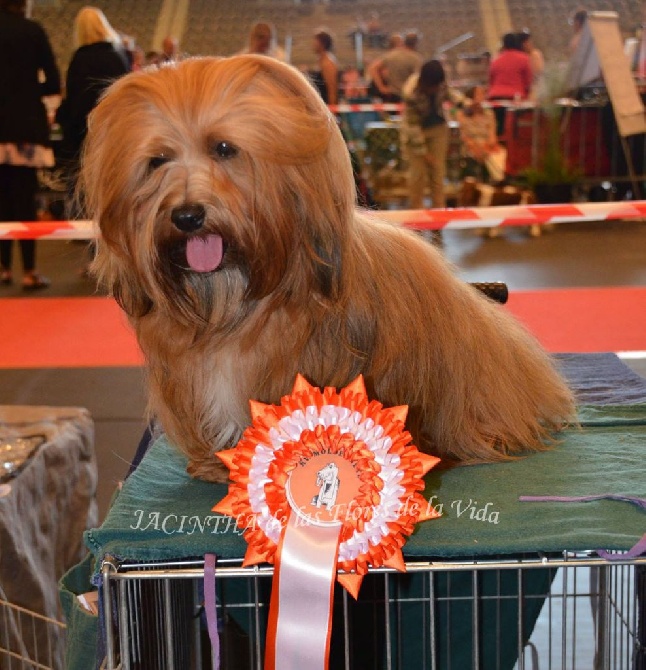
(161, 513)
(82, 627)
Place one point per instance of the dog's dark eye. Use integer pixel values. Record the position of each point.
(224, 150)
(157, 161)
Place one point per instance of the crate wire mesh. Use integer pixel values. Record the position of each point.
(571, 612)
(29, 640)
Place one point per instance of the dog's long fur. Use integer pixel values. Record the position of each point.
(307, 283)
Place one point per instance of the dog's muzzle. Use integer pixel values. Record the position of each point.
(204, 252)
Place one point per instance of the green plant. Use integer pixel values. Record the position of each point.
(552, 166)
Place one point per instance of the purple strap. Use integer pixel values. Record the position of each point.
(210, 608)
(637, 550)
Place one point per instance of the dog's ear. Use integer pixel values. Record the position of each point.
(132, 300)
(112, 274)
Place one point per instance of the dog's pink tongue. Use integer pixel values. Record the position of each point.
(204, 254)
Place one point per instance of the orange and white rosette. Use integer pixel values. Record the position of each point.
(323, 482)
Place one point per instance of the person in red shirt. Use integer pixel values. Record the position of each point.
(510, 77)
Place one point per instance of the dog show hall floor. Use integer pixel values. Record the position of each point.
(579, 287)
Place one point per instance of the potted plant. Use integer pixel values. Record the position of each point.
(553, 177)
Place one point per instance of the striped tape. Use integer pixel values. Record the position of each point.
(345, 107)
(423, 219)
(348, 107)
(515, 215)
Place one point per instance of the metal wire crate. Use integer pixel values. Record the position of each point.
(29, 640)
(572, 611)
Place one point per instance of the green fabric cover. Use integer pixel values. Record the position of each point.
(161, 513)
(82, 627)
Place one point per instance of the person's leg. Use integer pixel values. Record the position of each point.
(417, 168)
(6, 246)
(24, 188)
(501, 114)
(28, 253)
(437, 144)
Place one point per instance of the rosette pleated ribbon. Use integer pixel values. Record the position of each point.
(324, 486)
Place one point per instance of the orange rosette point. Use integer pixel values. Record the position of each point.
(332, 459)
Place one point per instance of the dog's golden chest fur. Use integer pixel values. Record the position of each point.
(230, 236)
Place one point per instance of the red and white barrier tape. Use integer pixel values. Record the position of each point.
(345, 107)
(422, 219)
(48, 230)
(348, 107)
(514, 215)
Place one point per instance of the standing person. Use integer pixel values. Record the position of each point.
(25, 55)
(375, 68)
(536, 59)
(170, 49)
(425, 133)
(138, 59)
(375, 34)
(262, 40)
(326, 78)
(390, 73)
(510, 77)
(97, 61)
(478, 135)
(577, 21)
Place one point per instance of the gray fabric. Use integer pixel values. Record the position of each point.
(602, 379)
(43, 513)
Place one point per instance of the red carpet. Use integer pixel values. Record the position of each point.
(65, 332)
(584, 320)
(93, 332)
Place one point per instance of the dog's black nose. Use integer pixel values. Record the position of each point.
(188, 218)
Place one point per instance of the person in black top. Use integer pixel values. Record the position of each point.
(424, 131)
(326, 78)
(25, 52)
(98, 60)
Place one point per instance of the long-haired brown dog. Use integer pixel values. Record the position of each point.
(230, 236)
